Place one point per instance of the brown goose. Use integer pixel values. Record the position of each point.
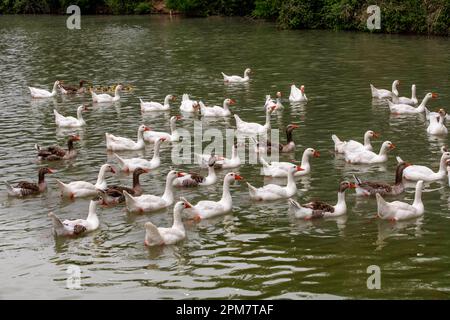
(194, 179)
(54, 153)
(74, 89)
(24, 188)
(114, 194)
(282, 148)
(371, 188)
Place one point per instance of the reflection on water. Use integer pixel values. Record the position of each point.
(260, 250)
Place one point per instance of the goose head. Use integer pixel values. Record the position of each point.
(230, 102)
(302, 88)
(387, 146)
(74, 138)
(293, 169)
(291, 127)
(140, 171)
(278, 94)
(173, 174)
(174, 119)
(143, 128)
(344, 185)
(445, 156)
(232, 176)
(180, 206)
(247, 71)
(372, 134)
(45, 170)
(310, 152)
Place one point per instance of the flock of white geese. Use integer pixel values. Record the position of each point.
(136, 201)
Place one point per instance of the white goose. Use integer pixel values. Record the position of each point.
(406, 108)
(280, 169)
(277, 104)
(217, 111)
(114, 143)
(272, 192)
(174, 136)
(237, 79)
(79, 226)
(194, 179)
(70, 122)
(188, 105)
(148, 202)
(206, 209)
(405, 100)
(370, 157)
(79, 189)
(383, 93)
(437, 124)
(352, 145)
(252, 127)
(297, 95)
(156, 106)
(130, 165)
(319, 209)
(397, 210)
(221, 162)
(104, 97)
(157, 236)
(417, 172)
(41, 93)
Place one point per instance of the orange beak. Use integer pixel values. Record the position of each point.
(316, 154)
(232, 101)
(76, 138)
(51, 170)
(85, 108)
(434, 95)
(392, 146)
(146, 170)
(300, 168)
(376, 134)
(174, 98)
(179, 117)
(180, 174)
(295, 126)
(407, 164)
(162, 139)
(238, 177)
(147, 129)
(187, 205)
(352, 185)
(112, 170)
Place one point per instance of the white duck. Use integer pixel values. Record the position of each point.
(188, 105)
(417, 172)
(156, 106)
(252, 127)
(237, 79)
(352, 145)
(206, 209)
(406, 108)
(405, 100)
(437, 124)
(130, 165)
(148, 202)
(280, 169)
(369, 157)
(383, 93)
(277, 104)
(297, 95)
(195, 179)
(397, 210)
(157, 236)
(79, 189)
(319, 209)
(217, 111)
(104, 97)
(71, 122)
(41, 93)
(114, 143)
(174, 136)
(272, 192)
(221, 162)
(79, 226)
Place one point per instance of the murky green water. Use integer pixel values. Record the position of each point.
(261, 250)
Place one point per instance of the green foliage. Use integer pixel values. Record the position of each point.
(267, 9)
(143, 8)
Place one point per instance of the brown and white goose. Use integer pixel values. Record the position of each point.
(69, 89)
(319, 209)
(193, 179)
(371, 188)
(114, 194)
(54, 153)
(24, 188)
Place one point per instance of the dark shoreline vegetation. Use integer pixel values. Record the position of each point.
(408, 16)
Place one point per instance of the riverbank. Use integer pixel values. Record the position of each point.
(408, 16)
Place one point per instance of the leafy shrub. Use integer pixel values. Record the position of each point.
(143, 8)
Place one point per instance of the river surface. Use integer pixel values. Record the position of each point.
(259, 251)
